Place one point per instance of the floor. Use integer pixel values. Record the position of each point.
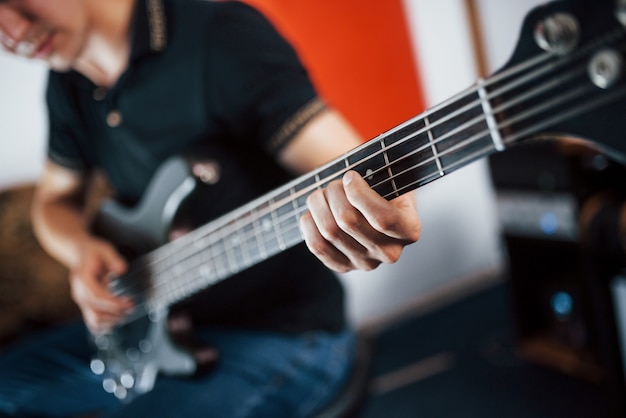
(461, 361)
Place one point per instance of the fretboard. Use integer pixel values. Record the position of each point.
(489, 116)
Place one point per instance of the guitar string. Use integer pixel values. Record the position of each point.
(496, 92)
(531, 129)
(203, 280)
(291, 215)
(492, 79)
(398, 143)
(458, 129)
(226, 251)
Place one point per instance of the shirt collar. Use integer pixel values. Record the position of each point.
(149, 27)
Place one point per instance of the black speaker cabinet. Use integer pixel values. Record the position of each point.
(552, 308)
(563, 303)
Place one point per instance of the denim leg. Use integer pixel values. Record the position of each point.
(258, 375)
(48, 375)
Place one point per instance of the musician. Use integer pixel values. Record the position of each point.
(134, 82)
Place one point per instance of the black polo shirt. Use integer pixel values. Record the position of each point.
(213, 78)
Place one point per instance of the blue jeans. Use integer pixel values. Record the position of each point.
(259, 374)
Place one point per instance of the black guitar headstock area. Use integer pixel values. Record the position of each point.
(566, 76)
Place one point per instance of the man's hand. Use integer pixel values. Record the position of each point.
(89, 280)
(349, 226)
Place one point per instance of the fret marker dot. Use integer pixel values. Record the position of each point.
(369, 174)
(267, 225)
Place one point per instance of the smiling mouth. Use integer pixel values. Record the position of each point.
(45, 46)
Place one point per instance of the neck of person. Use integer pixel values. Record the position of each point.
(107, 48)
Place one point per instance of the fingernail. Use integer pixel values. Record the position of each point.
(348, 177)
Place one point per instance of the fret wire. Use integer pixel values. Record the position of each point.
(220, 262)
(389, 170)
(230, 258)
(205, 270)
(433, 146)
(296, 207)
(244, 248)
(492, 124)
(281, 244)
(255, 227)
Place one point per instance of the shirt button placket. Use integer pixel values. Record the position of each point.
(114, 118)
(99, 94)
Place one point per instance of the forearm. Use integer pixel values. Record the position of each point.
(61, 228)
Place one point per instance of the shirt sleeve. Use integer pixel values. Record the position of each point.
(63, 144)
(263, 91)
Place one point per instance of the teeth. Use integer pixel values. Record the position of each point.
(7, 42)
(25, 49)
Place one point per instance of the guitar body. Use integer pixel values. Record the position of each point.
(137, 351)
(566, 78)
(146, 226)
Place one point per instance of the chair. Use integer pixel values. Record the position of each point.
(350, 400)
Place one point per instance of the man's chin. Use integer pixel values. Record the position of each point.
(58, 64)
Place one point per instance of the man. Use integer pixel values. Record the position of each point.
(133, 83)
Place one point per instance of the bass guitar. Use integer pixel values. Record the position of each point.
(565, 78)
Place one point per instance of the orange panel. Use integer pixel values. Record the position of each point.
(359, 55)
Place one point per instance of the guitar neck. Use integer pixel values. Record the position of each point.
(419, 151)
(531, 97)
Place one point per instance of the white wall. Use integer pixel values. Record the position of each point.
(501, 25)
(22, 121)
(460, 237)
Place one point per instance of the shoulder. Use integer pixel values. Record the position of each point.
(221, 24)
(61, 90)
